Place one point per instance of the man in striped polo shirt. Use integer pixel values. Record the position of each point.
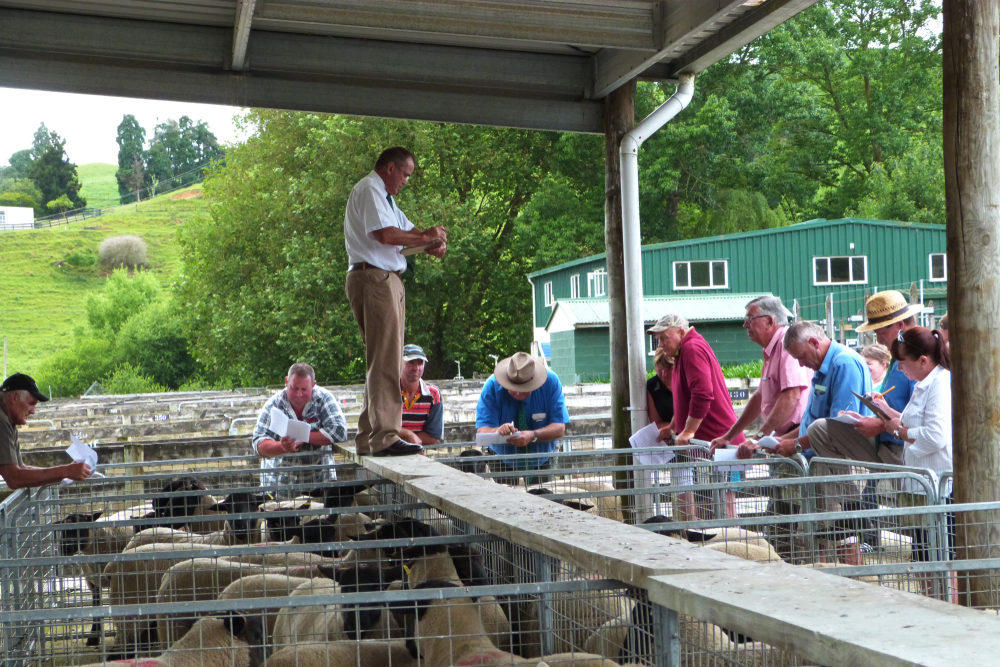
(423, 414)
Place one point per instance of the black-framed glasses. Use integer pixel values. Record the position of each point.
(748, 319)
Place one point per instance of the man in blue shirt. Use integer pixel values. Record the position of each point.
(524, 401)
(839, 371)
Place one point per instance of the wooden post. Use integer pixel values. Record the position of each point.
(619, 119)
(972, 200)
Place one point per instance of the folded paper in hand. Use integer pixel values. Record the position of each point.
(645, 437)
(293, 428)
(81, 452)
(487, 439)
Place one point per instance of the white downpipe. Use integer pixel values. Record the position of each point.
(629, 153)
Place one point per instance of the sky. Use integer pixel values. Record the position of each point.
(89, 123)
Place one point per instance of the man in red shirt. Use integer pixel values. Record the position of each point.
(702, 407)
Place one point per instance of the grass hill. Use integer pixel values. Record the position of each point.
(44, 286)
(100, 187)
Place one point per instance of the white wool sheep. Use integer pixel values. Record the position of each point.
(447, 634)
(369, 653)
(263, 586)
(204, 579)
(211, 642)
(137, 582)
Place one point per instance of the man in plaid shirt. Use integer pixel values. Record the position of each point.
(281, 457)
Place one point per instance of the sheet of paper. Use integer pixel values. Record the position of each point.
(293, 428)
(81, 451)
(847, 418)
(769, 442)
(487, 439)
(647, 437)
(728, 454)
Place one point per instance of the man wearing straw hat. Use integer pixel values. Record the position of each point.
(887, 315)
(523, 400)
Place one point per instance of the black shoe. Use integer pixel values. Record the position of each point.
(400, 448)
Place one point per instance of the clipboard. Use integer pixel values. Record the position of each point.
(417, 249)
(871, 405)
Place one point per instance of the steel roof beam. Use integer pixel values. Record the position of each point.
(241, 32)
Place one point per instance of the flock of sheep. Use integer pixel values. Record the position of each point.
(185, 546)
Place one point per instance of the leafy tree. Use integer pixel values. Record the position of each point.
(61, 204)
(123, 295)
(131, 167)
(52, 172)
(179, 151)
(20, 192)
(19, 164)
(70, 372)
(153, 340)
(129, 379)
(258, 296)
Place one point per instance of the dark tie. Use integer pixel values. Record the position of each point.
(522, 416)
(389, 199)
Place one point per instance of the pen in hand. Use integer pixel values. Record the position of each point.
(878, 395)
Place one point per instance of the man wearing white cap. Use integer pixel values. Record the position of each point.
(19, 396)
(523, 400)
(423, 413)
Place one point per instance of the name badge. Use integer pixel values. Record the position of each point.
(538, 416)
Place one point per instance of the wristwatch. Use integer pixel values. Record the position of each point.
(798, 447)
(896, 434)
(534, 437)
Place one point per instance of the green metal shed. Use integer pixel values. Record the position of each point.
(805, 264)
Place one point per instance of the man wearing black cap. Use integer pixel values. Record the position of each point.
(18, 397)
(423, 413)
(524, 400)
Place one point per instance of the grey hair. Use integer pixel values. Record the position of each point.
(673, 320)
(303, 371)
(19, 394)
(800, 332)
(772, 307)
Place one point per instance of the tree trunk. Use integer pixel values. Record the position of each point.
(619, 119)
(972, 191)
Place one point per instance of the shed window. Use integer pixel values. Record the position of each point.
(840, 270)
(711, 274)
(939, 266)
(549, 299)
(574, 286)
(597, 283)
(3, 217)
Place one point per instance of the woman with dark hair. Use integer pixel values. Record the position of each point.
(924, 426)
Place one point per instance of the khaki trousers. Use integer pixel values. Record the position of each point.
(378, 301)
(836, 440)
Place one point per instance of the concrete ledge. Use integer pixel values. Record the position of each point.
(833, 620)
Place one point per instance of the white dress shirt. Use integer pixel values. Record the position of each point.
(368, 210)
(927, 418)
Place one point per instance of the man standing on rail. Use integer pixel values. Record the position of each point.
(376, 232)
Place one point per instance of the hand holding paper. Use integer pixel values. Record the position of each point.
(293, 428)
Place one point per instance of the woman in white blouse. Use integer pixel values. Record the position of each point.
(924, 426)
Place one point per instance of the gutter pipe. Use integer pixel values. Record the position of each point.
(631, 241)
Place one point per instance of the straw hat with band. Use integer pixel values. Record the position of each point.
(885, 308)
(521, 372)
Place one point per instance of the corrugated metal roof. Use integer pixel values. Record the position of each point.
(544, 64)
(573, 313)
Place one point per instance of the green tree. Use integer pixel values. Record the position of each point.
(179, 152)
(19, 164)
(258, 296)
(70, 372)
(53, 173)
(20, 192)
(153, 340)
(123, 295)
(131, 159)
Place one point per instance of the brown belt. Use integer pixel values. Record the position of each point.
(363, 266)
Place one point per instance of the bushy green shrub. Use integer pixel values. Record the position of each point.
(123, 251)
(750, 369)
(129, 379)
(72, 371)
(153, 340)
(81, 258)
(123, 296)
